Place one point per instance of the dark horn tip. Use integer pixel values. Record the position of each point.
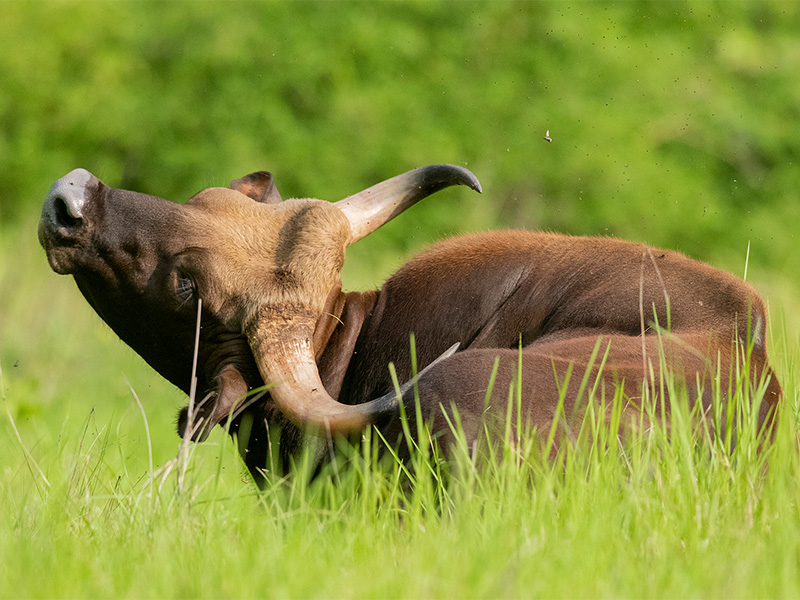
(462, 176)
(470, 180)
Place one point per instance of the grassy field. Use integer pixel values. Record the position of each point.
(98, 502)
(672, 123)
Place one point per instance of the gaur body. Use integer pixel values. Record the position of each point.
(555, 296)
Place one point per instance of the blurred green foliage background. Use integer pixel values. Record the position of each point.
(672, 122)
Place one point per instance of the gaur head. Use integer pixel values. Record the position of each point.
(258, 269)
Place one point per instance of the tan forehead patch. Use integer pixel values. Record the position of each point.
(257, 254)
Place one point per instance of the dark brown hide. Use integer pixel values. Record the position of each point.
(486, 290)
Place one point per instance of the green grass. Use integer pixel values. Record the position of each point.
(84, 512)
(654, 515)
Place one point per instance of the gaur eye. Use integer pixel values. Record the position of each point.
(184, 286)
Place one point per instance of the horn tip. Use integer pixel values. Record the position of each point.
(467, 177)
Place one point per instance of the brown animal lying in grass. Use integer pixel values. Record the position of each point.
(263, 275)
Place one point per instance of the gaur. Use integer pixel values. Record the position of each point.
(263, 273)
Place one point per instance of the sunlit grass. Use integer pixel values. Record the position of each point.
(90, 503)
(664, 510)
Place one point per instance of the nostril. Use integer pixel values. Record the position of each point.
(63, 216)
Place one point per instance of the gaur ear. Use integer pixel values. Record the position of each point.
(231, 390)
(259, 186)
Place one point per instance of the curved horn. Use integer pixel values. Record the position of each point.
(371, 208)
(283, 349)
